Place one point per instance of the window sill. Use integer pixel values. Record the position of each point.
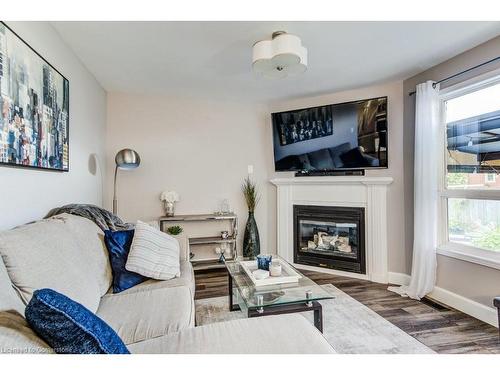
(470, 254)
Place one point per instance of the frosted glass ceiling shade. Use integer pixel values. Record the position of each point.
(279, 57)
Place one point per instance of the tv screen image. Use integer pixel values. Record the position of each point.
(304, 125)
(332, 137)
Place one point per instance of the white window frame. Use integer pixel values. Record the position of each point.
(445, 247)
(490, 178)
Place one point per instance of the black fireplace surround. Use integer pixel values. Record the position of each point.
(330, 237)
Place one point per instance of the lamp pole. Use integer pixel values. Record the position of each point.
(124, 159)
(115, 202)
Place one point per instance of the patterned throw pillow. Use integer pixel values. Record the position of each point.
(153, 253)
(118, 244)
(70, 328)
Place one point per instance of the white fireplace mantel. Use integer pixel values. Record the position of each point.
(346, 191)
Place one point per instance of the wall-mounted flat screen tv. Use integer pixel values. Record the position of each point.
(332, 137)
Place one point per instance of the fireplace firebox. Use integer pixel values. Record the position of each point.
(330, 237)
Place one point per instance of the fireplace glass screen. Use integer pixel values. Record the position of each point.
(329, 238)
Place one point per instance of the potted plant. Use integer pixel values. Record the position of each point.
(169, 198)
(251, 240)
(177, 232)
(174, 230)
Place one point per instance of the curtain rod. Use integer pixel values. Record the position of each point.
(460, 73)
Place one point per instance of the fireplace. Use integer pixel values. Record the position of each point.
(331, 237)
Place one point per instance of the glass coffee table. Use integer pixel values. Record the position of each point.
(300, 296)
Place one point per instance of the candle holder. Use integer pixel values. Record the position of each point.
(275, 268)
(263, 261)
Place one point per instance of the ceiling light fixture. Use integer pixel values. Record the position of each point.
(282, 56)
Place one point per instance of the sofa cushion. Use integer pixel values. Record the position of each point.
(118, 244)
(45, 254)
(321, 159)
(290, 162)
(336, 151)
(153, 253)
(91, 240)
(17, 337)
(69, 327)
(9, 299)
(288, 334)
(306, 164)
(148, 313)
(354, 159)
(185, 279)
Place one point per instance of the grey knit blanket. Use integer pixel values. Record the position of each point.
(103, 218)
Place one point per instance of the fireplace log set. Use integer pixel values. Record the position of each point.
(331, 237)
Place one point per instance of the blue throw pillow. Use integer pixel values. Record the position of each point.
(69, 327)
(118, 244)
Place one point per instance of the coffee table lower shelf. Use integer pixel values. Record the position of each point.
(289, 308)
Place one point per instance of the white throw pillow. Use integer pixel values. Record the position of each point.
(153, 253)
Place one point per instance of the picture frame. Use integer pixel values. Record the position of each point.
(34, 107)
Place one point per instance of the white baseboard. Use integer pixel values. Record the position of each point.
(331, 271)
(399, 278)
(479, 311)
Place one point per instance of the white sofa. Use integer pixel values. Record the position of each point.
(67, 253)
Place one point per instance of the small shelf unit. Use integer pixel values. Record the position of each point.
(203, 260)
(210, 240)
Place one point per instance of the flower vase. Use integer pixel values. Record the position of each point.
(169, 208)
(251, 241)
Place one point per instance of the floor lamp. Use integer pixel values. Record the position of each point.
(125, 159)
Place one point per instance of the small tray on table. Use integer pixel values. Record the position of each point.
(288, 273)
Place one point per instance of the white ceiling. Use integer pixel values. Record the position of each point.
(214, 58)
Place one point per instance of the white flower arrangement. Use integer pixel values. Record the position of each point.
(169, 196)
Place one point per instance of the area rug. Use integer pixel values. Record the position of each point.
(348, 325)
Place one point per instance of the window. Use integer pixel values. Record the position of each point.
(490, 178)
(474, 222)
(470, 193)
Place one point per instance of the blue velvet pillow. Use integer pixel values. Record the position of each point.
(118, 244)
(69, 327)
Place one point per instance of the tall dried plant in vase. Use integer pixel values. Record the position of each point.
(251, 240)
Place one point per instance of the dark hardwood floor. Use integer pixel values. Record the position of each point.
(443, 329)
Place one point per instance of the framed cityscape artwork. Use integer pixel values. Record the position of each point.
(34, 107)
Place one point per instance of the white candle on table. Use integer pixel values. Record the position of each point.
(275, 269)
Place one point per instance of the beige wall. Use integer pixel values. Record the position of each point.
(201, 148)
(28, 194)
(469, 280)
(198, 147)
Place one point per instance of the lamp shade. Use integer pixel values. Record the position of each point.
(127, 159)
(282, 56)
